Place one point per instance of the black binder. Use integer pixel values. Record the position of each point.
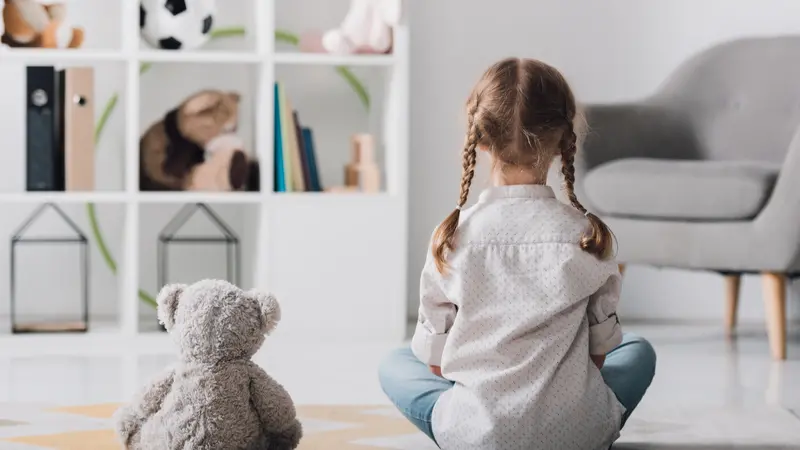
(45, 159)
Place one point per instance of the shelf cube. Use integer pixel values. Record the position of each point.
(47, 323)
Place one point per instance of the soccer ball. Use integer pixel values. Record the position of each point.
(176, 24)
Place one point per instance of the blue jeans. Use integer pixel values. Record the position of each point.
(413, 389)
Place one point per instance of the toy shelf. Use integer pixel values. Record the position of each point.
(206, 57)
(64, 197)
(336, 262)
(36, 56)
(333, 60)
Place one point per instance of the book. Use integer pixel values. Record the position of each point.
(286, 152)
(308, 144)
(302, 150)
(77, 127)
(44, 130)
(290, 137)
(280, 180)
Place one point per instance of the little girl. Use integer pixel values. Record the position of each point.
(518, 344)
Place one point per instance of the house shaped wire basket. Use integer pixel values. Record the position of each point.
(49, 323)
(169, 236)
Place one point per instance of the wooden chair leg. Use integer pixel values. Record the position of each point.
(732, 283)
(775, 304)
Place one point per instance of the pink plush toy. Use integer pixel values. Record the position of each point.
(367, 28)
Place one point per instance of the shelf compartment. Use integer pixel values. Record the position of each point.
(351, 274)
(328, 104)
(109, 83)
(166, 86)
(233, 28)
(58, 264)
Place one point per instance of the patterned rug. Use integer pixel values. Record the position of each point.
(344, 427)
(89, 428)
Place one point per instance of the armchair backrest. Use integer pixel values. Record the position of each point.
(741, 97)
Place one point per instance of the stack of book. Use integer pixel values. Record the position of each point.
(295, 159)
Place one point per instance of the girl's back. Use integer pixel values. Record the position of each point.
(518, 296)
(518, 348)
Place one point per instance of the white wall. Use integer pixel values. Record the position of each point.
(611, 51)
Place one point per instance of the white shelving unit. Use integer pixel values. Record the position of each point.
(337, 262)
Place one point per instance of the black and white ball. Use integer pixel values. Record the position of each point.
(176, 24)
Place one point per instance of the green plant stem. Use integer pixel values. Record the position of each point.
(348, 75)
(227, 32)
(281, 36)
(287, 37)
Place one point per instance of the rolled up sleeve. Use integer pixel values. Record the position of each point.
(605, 332)
(436, 316)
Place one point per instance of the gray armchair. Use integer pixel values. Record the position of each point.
(705, 174)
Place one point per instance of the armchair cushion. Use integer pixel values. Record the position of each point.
(680, 190)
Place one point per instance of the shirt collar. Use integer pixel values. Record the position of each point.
(517, 191)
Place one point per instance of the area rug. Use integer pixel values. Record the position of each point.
(88, 427)
(348, 427)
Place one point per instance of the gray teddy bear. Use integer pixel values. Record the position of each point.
(214, 397)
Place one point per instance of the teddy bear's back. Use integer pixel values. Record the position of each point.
(208, 408)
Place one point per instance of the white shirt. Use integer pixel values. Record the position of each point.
(513, 322)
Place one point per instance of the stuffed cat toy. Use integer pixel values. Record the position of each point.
(39, 23)
(173, 149)
(214, 397)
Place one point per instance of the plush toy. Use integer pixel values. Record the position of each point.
(172, 148)
(215, 397)
(227, 167)
(39, 23)
(367, 28)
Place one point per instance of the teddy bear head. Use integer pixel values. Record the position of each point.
(213, 321)
(207, 114)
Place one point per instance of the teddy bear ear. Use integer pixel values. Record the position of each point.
(235, 96)
(167, 301)
(201, 102)
(269, 308)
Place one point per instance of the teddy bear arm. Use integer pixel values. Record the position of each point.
(34, 14)
(275, 410)
(149, 401)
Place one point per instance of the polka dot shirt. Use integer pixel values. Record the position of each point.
(513, 322)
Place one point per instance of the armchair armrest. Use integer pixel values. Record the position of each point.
(633, 130)
(778, 221)
(637, 130)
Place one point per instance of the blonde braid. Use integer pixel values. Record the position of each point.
(599, 240)
(445, 233)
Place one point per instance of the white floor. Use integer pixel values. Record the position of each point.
(708, 393)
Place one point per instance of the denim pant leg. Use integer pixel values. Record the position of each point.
(412, 387)
(628, 371)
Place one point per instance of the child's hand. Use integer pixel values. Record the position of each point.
(436, 370)
(598, 360)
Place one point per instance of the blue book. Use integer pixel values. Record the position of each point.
(280, 181)
(308, 141)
